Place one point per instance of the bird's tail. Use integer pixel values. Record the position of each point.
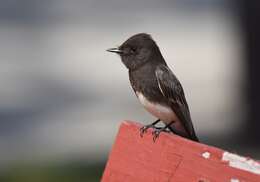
(192, 136)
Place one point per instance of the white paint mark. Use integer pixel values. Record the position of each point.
(234, 180)
(242, 163)
(206, 155)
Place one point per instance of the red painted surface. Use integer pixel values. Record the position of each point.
(170, 159)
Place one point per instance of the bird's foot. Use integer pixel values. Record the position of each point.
(144, 129)
(157, 131)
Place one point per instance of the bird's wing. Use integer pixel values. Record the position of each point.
(171, 89)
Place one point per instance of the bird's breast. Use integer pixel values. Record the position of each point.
(160, 111)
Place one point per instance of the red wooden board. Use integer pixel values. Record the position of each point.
(173, 159)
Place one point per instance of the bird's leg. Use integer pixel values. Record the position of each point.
(157, 132)
(144, 129)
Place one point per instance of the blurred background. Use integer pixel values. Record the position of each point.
(63, 97)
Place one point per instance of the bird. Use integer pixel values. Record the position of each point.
(156, 86)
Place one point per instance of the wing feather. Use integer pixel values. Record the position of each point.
(171, 89)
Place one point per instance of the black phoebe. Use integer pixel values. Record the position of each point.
(156, 87)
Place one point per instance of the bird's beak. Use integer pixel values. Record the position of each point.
(115, 50)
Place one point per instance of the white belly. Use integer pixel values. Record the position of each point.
(164, 113)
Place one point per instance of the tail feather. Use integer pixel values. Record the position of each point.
(184, 134)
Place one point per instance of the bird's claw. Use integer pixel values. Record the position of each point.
(157, 131)
(144, 129)
(156, 134)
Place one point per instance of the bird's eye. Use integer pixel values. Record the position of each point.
(132, 50)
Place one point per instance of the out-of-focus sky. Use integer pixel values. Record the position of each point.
(63, 96)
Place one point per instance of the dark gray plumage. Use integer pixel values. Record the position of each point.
(173, 91)
(157, 88)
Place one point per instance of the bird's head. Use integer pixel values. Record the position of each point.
(137, 51)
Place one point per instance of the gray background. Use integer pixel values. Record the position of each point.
(63, 96)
